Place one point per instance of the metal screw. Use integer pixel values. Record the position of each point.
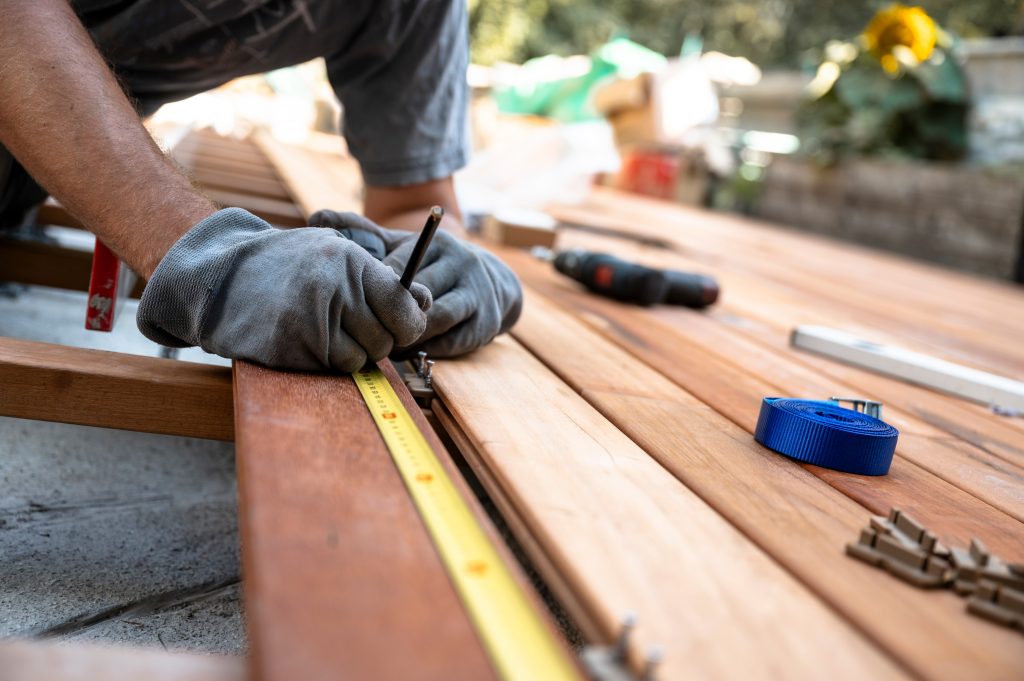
(428, 372)
(622, 644)
(655, 654)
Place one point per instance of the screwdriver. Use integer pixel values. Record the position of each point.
(628, 282)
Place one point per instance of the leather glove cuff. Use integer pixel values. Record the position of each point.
(179, 295)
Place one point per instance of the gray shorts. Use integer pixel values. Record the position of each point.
(398, 66)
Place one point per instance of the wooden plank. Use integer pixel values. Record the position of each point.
(767, 315)
(732, 376)
(213, 179)
(780, 505)
(629, 537)
(45, 264)
(38, 661)
(995, 480)
(114, 390)
(281, 213)
(315, 180)
(341, 579)
(256, 171)
(915, 299)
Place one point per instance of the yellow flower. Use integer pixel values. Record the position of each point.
(900, 31)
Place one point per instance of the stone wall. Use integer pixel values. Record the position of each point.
(966, 218)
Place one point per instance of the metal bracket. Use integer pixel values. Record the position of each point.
(611, 663)
(421, 384)
(903, 548)
(869, 407)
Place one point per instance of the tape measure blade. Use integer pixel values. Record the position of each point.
(518, 641)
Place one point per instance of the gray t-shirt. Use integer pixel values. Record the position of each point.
(398, 66)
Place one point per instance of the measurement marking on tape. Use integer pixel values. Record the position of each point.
(519, 644)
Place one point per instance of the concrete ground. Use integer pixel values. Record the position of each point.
(109, 535)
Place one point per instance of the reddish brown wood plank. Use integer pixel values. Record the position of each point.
(341, 579)
(114, 390)
(38, 661)
(779, 504)
(722, 375)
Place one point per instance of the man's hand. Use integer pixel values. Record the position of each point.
(304, 298)
(476, 296)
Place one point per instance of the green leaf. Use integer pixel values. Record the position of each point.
(942, 78)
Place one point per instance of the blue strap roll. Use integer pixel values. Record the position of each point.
(825, 434)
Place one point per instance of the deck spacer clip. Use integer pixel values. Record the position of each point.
(999, 603)
(905, 549)
(869, 407)
(975, 565)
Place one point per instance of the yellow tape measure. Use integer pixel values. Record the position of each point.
(520, 646)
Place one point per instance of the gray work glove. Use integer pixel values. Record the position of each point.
(476, 295)
(307, 298)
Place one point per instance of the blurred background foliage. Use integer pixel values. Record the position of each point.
(771, 33)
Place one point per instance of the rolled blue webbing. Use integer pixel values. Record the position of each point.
(825, 434)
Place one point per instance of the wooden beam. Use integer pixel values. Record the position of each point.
(44, 264)
(281, 213)
(213, 179)
(50, 661)
(627, 536)
(341, 578)
(114, 390)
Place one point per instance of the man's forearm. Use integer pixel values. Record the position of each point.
(66, 120)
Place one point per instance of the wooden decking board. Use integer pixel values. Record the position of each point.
(768, 318)
(585, 619)
(114, 390)
(49, 661)
(735, 391)
(341, 579)
(770, 287)
(775, 257)
(242, 185)
(842, 264)
(780, 505)
(688, 575)
(683, 333)
(280, 213)
(315, 180)
(942, 641)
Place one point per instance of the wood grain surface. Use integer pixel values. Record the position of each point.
(38, 661)
(781, 505)
(717, 373)
(341, 579)
(662, 553)
(114, 390)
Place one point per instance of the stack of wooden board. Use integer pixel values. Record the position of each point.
(618, 447)
(616, 443)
